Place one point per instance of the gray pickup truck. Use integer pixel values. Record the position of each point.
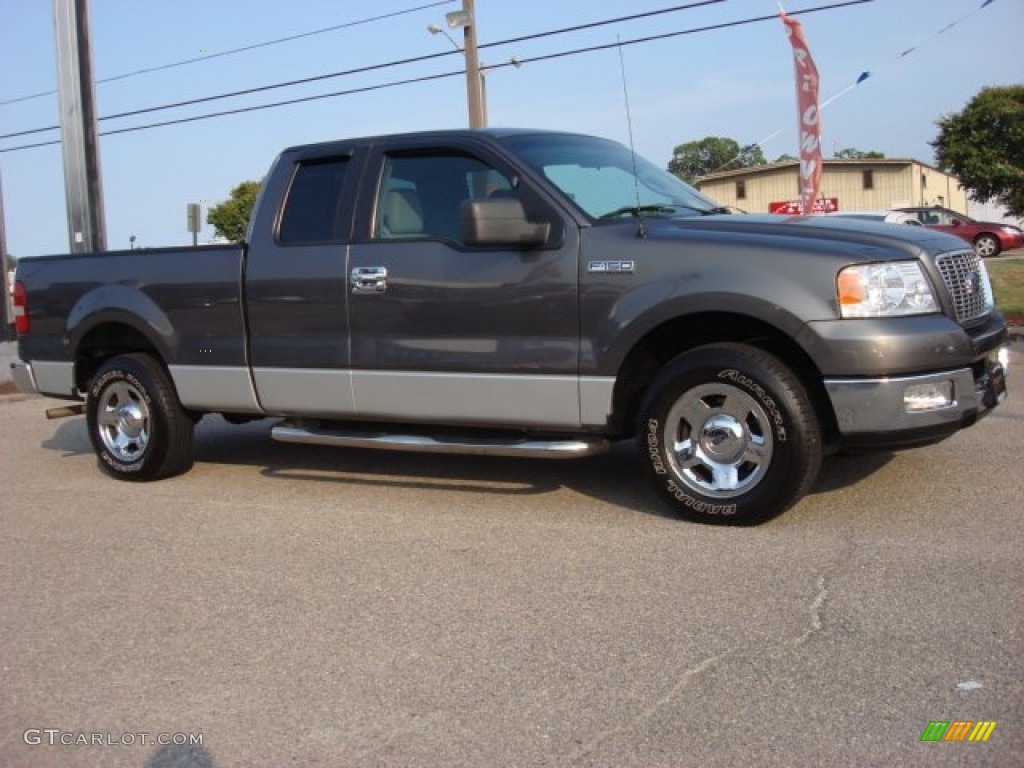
(523, 293)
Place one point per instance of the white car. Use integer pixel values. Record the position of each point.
(893, 217)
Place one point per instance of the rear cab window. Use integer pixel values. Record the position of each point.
(313, 211)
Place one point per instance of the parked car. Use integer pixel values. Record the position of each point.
(990, 238)
(891, 217)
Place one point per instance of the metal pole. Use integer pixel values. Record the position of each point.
(7, 332)
(76, 95)
(474, 88)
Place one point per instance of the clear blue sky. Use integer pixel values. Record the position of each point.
(735, 82)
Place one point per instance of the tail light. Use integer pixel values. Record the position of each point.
(21, 324)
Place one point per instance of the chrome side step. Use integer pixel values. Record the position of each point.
(475, 444)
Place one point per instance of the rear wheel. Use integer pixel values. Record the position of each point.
(729, 435)
(137, 427)
(986, 246)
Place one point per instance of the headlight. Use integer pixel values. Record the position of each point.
(884, 290)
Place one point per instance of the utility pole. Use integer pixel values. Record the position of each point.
(76, 95)
(6, 333)
(474, 85)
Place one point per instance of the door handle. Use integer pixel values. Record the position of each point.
(369, 279)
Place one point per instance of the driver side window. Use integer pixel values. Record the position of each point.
(421, 194)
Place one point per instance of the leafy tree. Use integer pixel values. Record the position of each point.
(850, 153)
(230, 219)
(10, 261)
(983, 146)
(710, 155)
(787, 158)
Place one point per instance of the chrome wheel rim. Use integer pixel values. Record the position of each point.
(718, 440)
(123, 420)
(986, 246)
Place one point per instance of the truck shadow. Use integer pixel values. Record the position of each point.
(615, 478)
(69, 438)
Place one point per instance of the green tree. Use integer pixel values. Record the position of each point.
(10, 261)
(712, 154)
(850, 153)
(786, 158)
(983, 146)
(230, 219)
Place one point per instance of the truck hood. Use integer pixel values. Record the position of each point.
(822, 233)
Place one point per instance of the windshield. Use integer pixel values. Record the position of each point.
(606, 180)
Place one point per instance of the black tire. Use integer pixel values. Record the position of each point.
(729, 435)
(987, 246)
(138, 428)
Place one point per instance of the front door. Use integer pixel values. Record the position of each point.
(444, 332)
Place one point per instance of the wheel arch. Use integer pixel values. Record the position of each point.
(107, 337)
(668, 340)
(116, 319)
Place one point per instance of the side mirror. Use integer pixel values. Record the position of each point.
(957, 222)
(501, 221)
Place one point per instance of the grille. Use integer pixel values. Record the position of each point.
(967, 282)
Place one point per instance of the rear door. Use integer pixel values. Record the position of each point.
(296, 284)
(445, 332)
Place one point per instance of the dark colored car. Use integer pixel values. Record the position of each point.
(990, 238)
(523, 293)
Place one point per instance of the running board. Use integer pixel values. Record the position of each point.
(477, 444)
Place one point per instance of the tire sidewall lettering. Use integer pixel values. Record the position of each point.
(118, 466)
(702, 507)
(97, 387)
(653, 444)
(740, 379)
(119, 375)
(676, 491)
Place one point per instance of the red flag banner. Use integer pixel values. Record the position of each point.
(807, 106)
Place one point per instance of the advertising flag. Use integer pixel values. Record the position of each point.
(807, 108)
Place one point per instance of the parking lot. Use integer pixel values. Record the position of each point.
(296, 605)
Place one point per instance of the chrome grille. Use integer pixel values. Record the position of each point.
(967, 282)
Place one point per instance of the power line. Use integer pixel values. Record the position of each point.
(243, 49)
(368, 68)
(392, 84)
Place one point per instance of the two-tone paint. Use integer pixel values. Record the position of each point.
(545, 337)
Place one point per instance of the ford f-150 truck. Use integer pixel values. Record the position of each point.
(523, 293)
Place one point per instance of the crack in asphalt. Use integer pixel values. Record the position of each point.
(649, 711)
(816, 608)
(816, 624)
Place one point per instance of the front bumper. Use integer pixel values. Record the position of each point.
(888, 412)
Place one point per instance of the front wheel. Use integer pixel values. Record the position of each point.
(137, 427)
(729, 435)
(986, 246)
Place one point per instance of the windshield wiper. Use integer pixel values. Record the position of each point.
(705, 211)
(636, 210)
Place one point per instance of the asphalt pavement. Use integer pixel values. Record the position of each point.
(307, 606)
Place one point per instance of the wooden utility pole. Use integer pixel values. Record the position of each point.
(474, 82)
(76, 95)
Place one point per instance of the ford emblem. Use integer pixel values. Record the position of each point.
(972, 282)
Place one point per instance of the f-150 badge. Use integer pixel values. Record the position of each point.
(611, 266)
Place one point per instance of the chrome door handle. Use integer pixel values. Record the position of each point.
(369, 279)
